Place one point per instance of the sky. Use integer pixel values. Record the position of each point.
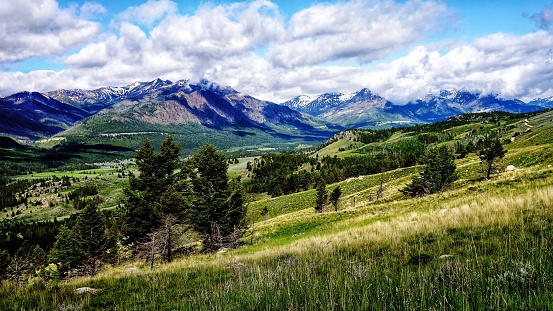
(277, 50)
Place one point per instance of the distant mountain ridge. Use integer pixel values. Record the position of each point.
(196, 112)
(365, 108)
(158, 104)
(32, 115)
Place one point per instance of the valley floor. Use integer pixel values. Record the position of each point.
(484, 244)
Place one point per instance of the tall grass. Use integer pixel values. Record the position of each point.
(482, 245)
(490, 252)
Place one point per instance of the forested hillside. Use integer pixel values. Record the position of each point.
(443, 216)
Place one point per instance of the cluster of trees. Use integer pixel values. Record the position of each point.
(323, 197)
(166, 193)
(52, 249)
(291, 172)
(440, 170)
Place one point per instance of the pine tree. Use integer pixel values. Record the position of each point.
(157, 174)
(66, 252)
(210, 185)
(172, 207)
(335, 197)
(322, 195)
(217, 205)
(489, 151)
(439, 172)
(89, 231)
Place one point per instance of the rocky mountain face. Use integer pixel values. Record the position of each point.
(206, 103)
(358, 109)
(364, 108)
(157, 103)
(33, 115)
(160, 104)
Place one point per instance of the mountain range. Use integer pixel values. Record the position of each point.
(364, 108)
(206, 111)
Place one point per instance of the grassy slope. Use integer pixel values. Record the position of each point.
(483, 244)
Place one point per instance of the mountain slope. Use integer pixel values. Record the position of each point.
(358, 109)
(199, 113)
(448, 103)
(364, 108)
(158, 106)
(34, 115)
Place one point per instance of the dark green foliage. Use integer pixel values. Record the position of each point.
(13, 234)
(157, 173)
(173, 202)
(489, 151)
(335, 197)
(10, 188)
(89, 230)
(66, 252)
(199, 195)
(69, 156)
(88, 240)
(5, 262)
(215, 201)
(83, 191)
(80, 202)
(439, 172)
(28, 259)
(322, 196)
(279, 174)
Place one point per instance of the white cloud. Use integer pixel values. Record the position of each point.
(149, 12)
(34, 28)
(361, 30)
(252, 48)
(90, 10)
(219, 31)
(544, 19)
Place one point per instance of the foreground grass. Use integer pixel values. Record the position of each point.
(483, 244)
(467, 252)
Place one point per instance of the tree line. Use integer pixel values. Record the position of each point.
(290, 172)
(166, 199)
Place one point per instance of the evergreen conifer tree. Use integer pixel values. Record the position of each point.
(490, 150)
(66, 252)
(335, 197)
(89, 231)
(322, 195)
(216, 202)
(157, 174)
(439, 172)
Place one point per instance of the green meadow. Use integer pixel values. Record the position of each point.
(482, 244)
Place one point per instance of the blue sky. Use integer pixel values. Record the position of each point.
(276, 50)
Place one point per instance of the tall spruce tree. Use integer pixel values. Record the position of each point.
(490, 150)
(66, 252)
(439, 172)
(216, 202)
(156, 175)
(322, 195)
(89, 231)
(335, 197)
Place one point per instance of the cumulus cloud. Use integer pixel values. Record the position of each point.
(220, 31)
(509, 65)
(34, 28)
(149, 12)
(253, 48)
(90, 10)
(361, 30)
(214, 39)
(544, 19)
